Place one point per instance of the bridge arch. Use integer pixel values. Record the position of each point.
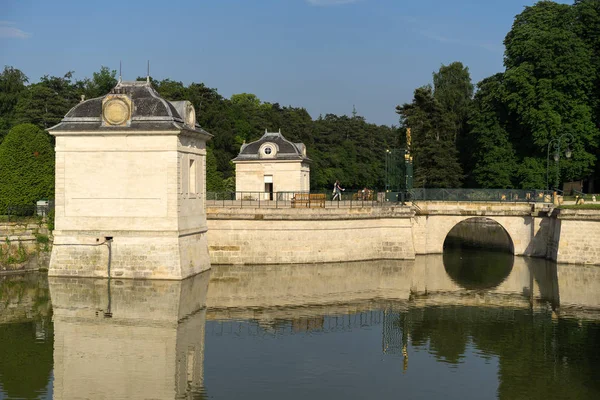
(434, 220)
(479, 232)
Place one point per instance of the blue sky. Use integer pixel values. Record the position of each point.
(324, 55)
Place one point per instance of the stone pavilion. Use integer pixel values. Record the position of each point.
(130, 188)
(271, 164)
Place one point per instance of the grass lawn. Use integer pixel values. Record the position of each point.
(587, 206)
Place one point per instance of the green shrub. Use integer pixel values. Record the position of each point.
(26, 167)
(42, 239)
(51, 220)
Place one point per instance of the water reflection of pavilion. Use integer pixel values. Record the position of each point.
(124, 339)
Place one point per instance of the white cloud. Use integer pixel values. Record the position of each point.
(325, 3)
(8, 31)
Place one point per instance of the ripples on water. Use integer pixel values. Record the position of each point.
(435, 327)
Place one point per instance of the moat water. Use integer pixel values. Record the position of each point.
(470, 324)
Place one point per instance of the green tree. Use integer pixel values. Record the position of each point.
(454, 91)
(26, 166)
(46, 103)
(493, 155)
(588, 29)
(101, 83)
(12, 85)
(549, 80)
(435, 155)
(214, 178)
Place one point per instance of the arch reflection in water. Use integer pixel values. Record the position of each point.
(126, 339)
(478, 254)
(477, 269)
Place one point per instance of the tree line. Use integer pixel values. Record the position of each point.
(491, 135)
(341, 147)
(498, 136)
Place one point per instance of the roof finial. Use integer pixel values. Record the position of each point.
(266, 130)
(120, 79)
(148, 73)
(280, 131)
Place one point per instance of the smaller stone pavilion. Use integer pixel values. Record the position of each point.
(271, 164)
(130, 188)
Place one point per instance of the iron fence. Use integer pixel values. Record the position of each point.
(20, 212)
(369, 198)
(477, 195)
(315, 199)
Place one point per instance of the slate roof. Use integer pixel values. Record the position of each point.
(286, 150)
(150, 112)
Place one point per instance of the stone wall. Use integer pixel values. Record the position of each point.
(576, 237)
(283, 236)
(145, 191)
(24, 246)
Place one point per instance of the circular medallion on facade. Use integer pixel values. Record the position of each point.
(268, 150)
(116, 112)
(190, 117)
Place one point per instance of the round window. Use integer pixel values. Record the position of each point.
(268, 150)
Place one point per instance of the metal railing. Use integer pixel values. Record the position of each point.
(481, 195)
(360, 198)
(21, 212)
(315, 199)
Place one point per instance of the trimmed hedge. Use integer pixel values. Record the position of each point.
(26, 167)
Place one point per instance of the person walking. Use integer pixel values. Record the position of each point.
(337, 191)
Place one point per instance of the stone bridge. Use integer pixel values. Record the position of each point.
(527, 224)
(285, 235)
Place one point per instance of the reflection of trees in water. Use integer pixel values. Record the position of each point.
(25, 363)
(26, 337)
(539, 357)
(477, 269)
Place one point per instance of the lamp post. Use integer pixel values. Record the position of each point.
(387, 169)
(556, 144)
